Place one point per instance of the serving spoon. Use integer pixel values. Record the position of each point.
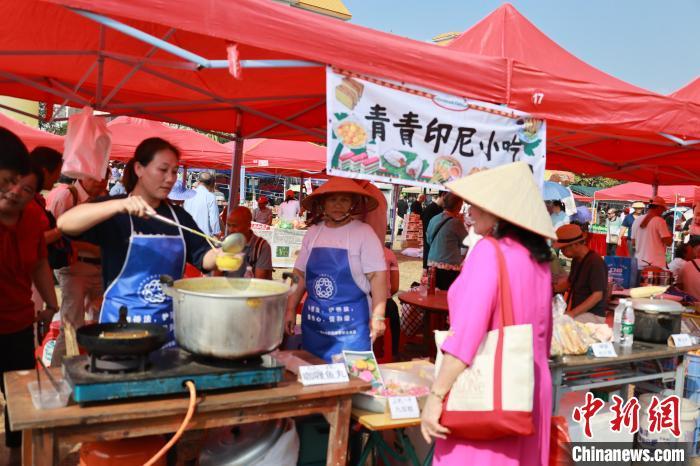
(232, 244)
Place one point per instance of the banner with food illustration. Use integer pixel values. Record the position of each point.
(384, 131)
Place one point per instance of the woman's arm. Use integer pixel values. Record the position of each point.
(81, 218)
(430, 418)
(377, 281)
(293, 302)
(209, 260)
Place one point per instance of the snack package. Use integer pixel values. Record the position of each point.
(363, 364)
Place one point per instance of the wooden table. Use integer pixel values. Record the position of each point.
(639, 365)
(376, 423)
(436, 303)
(43, 430)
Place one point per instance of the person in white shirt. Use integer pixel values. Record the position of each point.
(558, 215)
(289, 209)
(263, 214)
(689, 276)
(612, 226)
(651, 237)
(203, 208)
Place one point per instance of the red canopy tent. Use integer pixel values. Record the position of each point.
(156, 69)
(613, 146)
(32, 137)
(196, 149)
(683, 195)
(689, 92)
(288, 158)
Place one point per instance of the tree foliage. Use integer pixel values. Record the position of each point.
(595, 181)
(56, 127)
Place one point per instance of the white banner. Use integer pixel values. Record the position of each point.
(411, 136)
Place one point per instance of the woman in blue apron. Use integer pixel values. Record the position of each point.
(137, 250)
(341, 265)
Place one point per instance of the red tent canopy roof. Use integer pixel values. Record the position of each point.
(690, 91)
(47, 50)
(643, 192)
(591, 145)
(196, 150)
(31, 137)
(507, 33)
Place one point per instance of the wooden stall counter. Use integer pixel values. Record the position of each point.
(45, 429)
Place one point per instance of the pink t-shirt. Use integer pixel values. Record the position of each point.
(689, 278)
(650, 250)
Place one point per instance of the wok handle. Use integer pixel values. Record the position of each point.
(293, 278)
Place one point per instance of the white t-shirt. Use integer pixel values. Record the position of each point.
(289, 210)
(366, 253)
(689, 278)
(648, 245)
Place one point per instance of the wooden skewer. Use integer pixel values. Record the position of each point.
(71, 340)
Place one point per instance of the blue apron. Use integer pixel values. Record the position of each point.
(138, 284)
(336, 311)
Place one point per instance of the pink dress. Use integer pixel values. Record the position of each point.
(472, 299)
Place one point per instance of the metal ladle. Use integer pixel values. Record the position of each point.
(232, 244)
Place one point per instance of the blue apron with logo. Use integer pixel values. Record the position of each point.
(336, 311)
(138, 284)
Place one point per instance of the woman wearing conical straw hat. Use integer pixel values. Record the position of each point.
(341, 265)
(507, 206)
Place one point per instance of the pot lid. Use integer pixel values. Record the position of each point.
(656, 306)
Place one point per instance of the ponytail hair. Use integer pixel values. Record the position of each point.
(144, 154)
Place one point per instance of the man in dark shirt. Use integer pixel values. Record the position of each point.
(402, 207)
(433, 209)
(417, 205)
(588, 281)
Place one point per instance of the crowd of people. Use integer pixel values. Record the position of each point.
(104, 250)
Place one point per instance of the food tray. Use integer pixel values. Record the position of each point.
(378, 403)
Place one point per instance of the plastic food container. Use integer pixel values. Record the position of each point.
(379, 403)
(48, 398)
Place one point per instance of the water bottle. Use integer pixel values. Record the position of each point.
(617, 321)
(627, 326)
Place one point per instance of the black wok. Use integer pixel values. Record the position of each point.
(89, 338)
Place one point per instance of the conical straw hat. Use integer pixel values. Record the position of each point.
(508, 192)
(337, 184)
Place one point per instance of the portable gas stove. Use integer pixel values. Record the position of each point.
(163, 372)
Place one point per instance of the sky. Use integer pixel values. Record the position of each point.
(653, 44)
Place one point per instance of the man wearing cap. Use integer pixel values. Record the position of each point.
(203, 208)
(289, 209)
(612, 226)
(262, 214)
(651, 237)
(588, 281)
(626, 229)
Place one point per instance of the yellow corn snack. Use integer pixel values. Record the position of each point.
(229, 262)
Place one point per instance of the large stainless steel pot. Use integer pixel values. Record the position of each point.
(229, 318)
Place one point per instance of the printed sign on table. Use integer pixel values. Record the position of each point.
(381, 131)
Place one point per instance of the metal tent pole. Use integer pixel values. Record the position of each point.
(395, 193)
(673, 233)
